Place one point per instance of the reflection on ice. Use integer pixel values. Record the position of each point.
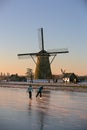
(56, 110)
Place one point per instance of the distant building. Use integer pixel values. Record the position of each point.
(70, 77)
(15, 77)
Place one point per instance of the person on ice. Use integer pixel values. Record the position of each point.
(29, 90)
(39, 92)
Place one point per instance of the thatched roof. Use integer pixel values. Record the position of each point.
(68, 75)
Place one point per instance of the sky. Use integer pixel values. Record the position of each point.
(64, 24)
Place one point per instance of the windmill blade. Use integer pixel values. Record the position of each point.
(63, 71)
(26, 55)
(41, 39)
(55, 51)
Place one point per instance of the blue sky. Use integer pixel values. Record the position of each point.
(65, 26)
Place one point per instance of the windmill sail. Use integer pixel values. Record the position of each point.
(41, 39)
(26, 55)
(58, 51)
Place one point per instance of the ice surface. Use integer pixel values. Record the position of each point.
(57, 110)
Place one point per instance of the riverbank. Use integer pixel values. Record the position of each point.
(80, 87)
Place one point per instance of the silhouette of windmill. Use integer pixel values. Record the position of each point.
(43, 69)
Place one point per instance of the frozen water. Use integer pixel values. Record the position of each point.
(59, 110)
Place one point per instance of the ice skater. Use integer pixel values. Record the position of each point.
(29, 90)
(39, 92)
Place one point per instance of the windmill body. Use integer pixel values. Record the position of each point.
(43, 68)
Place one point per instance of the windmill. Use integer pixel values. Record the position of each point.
(43, 69)
(63, 71)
